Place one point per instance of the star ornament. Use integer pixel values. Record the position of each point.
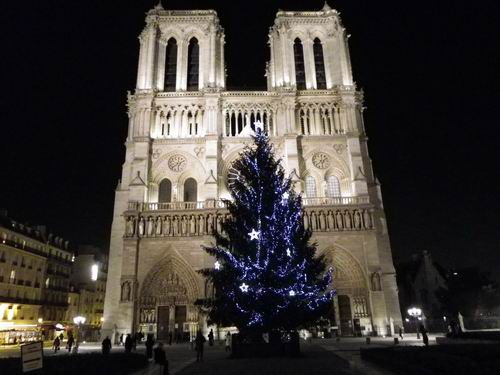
(217, 265)
(254, 235)
(258, 125)
(288, 253)
(286, 195)
(291, 293)
(244, 288)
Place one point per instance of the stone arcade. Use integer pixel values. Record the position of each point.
(185, 129)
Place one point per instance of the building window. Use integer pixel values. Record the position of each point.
(165, 191)
(310, 187)
(300, 73)
(12, 276)
(193, 65)
(170, 65)
(332, 187)
(190, 190)
(319, 63)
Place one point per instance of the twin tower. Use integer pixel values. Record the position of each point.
(186, 129)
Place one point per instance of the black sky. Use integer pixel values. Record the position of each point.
(430, 70)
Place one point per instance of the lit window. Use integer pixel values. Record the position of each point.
(332, 187)
(93, 272)
(310, 187)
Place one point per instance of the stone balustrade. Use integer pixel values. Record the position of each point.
(189, 219)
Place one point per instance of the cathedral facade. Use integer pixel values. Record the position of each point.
(185, 130)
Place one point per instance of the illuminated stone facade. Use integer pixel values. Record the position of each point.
(185, 129)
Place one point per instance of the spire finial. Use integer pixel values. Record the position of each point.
(326, 7)
(159, 6)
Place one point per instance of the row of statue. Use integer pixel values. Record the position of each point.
(205, 224)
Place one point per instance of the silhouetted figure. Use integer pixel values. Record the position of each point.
(170, 338)
(70, 343)
(61, 337)
(425, 338)
(128, 343)
(150, 342)
(121, 339)
(161, 359)
(57, 344)
(401, 333)
(199, 343)
(211, 337)
(228, 341)
(106, 345)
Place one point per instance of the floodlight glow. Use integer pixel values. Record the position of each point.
(93, 272)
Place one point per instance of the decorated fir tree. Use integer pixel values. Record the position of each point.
(266, 275)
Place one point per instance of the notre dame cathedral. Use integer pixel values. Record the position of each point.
(185, 130)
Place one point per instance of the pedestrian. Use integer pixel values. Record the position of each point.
(134, 342)
(161, 359)
(425, 338)
(401, 333)
(128, 343)
(61, 337)
(57, 344)
(211, 337)
(121, 339)
(199, 343)
(170, 338)
(149, 346)
(228, 341)
(70, 342)
(106, 345)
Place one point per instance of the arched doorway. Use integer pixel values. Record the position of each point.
(351, 313)
(166, 303)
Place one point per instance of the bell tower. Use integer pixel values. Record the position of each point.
(308, 51)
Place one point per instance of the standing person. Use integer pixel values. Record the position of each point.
(106, 345)
(425, 338)
(161, 359)
(134, 342)
(121, 339)
(70, 343)
(401, 333)
(128, 343)
(149, 346)
(199, 343)
(61, 337)
(211, 337)
(228, 341)
(170, 338)
(57, 344)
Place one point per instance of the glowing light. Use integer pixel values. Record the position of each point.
(244, 288)
(254, 235)
(217, 265)
(79, 320)
(40, 320)
(414, 311)
(286, 195)
(288, 253)
(291, 293)
(94, 270)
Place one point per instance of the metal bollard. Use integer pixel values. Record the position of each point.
(368, 340)
(396, 341)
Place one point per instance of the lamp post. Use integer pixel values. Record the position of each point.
(78, 320)
(415, 313)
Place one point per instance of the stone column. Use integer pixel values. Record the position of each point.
(181, 72)
(222, 64)
(150, 63)
(309, 64)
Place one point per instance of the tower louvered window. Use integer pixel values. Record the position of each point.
(193, 65)
(319, 63)
(171, 65)
(300, 73)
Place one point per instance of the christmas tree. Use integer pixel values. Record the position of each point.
(266, 275)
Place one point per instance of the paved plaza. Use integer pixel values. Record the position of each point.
(320, 356)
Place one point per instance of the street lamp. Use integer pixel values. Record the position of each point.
(78, 320)
(415, 313)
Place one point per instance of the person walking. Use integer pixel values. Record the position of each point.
(211, 337)
(56, 345)
(425, 338)
(199, 343)
(106, 346)
(70, 342)
(150, 342)
(128, 343)
(228, 341)
(401, 333)
(161, 359)
(121, 339)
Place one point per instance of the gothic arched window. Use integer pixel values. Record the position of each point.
(190, 190)
(193, 65)
(165, 191)
(319, 63)
(332, 187)
(310, 187)
(170, 65)
(300, 73)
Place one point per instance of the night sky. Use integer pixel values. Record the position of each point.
(430, 71)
